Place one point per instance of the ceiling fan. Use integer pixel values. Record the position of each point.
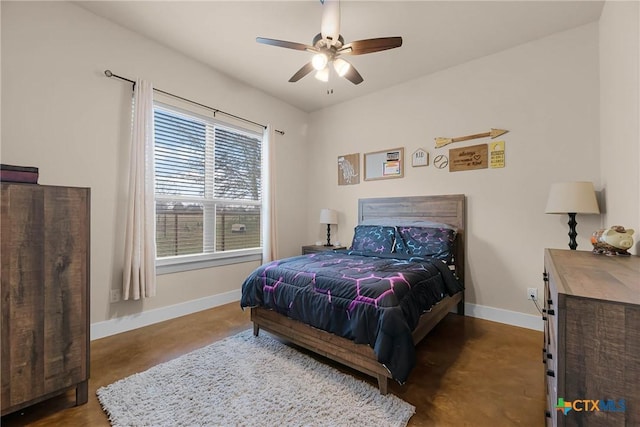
(328, 47)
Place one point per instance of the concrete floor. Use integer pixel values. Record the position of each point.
(470, 372)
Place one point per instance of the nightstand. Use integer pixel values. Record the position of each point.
(311, 249)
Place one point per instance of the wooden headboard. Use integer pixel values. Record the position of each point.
(447, 209)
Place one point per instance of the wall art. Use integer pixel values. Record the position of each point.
(349, 169)
(420, 157)
(468, 158)
(496, 154)
(384, 164)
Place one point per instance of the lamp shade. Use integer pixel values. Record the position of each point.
(328, 216)
(572, 197)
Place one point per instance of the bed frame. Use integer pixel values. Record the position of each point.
(448, 209)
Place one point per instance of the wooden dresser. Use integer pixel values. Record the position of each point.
(592, 338)
(45, 293)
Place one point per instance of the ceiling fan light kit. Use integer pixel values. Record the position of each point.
(329, 45)
(341, 66)
(319, 61)
(323, 74)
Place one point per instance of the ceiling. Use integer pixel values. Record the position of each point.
(436, 35)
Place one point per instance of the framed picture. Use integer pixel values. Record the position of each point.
(349, 169)
(384, 164)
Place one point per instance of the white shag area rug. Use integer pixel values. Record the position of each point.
(248, 381)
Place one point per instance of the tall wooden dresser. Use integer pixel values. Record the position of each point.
(592, 339)
(45, 293)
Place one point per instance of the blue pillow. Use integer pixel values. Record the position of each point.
(373, 238)
(430, 242)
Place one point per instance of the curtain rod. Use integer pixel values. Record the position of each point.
(108, 73)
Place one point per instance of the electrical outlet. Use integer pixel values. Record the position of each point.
(115, 296)
(532, 294)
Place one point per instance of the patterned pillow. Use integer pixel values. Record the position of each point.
(373, 238)
(429, 242)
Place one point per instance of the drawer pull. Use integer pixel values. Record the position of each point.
(550, 301)
(549, 356)
(545, 277)
(551, 312)
(547, 414)
(544, 317)
(544, 352)
(550, 373)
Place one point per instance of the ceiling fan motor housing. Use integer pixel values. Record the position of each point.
(338, 44)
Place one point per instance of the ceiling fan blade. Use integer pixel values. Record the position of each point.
(286, 44)
(361, 47)
(330, 26)
(353, 75)
(306, 69)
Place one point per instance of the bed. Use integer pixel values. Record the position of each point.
(368, 306)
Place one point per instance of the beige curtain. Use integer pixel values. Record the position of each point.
(269, 241)
(140, 241)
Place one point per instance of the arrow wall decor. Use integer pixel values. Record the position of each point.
(494, 133)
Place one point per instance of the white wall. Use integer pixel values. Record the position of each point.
(544, 92)
(620, 114)
(61, 114)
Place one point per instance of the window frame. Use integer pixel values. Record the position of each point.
(187, 262)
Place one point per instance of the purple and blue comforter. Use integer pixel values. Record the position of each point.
(373, 299)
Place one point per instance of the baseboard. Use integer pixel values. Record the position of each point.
(500, 315)
(146, 318)
(128, 323)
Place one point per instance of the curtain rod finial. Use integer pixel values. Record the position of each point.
(108, 73)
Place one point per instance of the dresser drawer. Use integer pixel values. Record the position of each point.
(551, 348)
(551, 415)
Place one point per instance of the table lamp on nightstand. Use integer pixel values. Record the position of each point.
(572, 198)
(328, 216)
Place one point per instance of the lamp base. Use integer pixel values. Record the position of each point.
(572, 231)
(328, 235)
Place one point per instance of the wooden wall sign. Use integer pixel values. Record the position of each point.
(468, 158)
(494, 133)
(420, 157)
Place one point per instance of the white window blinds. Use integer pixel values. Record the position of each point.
(208, 185)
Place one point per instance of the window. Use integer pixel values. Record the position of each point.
(208, 189)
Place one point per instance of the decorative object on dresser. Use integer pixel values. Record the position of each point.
(328, 216)
(45, 293)
(11, 173)
(572, 198)
(591, 339)
(612, 241)
(312, 249)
